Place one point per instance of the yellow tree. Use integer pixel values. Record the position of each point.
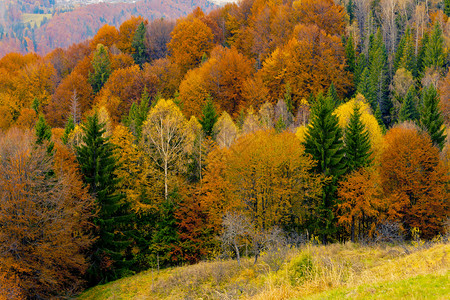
(167, 137)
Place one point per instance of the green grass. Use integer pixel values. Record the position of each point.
(33, 19)
(335, 271)
(420, 287)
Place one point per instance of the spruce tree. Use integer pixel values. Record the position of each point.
(332, 94)
(408, 111)
(138, 43)
(102, 68)
(44, 133)
(288, 98)
(323, 140)
(138, 114)
(357, 142)
(379, 119)
(434, 51)
(421, 55)
(350, 54)
(209, 117)
(447, 8)
(95, 156)
(430, 116)
(70, 126)
(36, 105)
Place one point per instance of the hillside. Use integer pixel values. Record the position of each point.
(313, 272)
(44, 27)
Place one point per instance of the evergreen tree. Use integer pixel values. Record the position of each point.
(36, 105)
(97, 163)
(102, 68)
(323, 140)
(447, 8)
(431, 118)
(140, 51)
(361, 64)
(209, 117)
(350, 54)
(70, 126)
(357, 142)
(332, 94)
(421, 55)
(44, 133)
(137, 115)
(379, 118)
(434, 51)
(378, 75)
(405, 56)
(408, 111)
(288, 98)
(350, 11)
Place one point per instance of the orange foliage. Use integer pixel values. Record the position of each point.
(126, 34)
(107, 35)
(414, 180)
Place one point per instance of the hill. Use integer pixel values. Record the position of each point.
(313, 272)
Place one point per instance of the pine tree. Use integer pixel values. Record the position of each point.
(44, 133)
(357, 142)
(378, 75)
(70, 126)
(209, 117)
(140, 53)
(323, 140)
(36, 105)
(102, 68)
(434, 51)
(408, 111)
(447, 8)
(138, 114)
(431, 118)
(97, 163)
(350, 54)
(288, 98)
(421, 55)
(350, 11)
(379, 118)
(332, 94)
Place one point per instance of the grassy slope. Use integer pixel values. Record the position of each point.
(314, 272)
(35, 18)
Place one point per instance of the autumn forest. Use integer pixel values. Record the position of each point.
(166, 142)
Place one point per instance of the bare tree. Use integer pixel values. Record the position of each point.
(157, 37)
(225, 131)
(237, 231)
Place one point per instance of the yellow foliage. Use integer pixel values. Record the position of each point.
(301, 132)
(370, 122)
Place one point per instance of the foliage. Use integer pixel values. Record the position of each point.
(431, 118)
(102, 69)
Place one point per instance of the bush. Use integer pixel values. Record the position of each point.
(300, 268)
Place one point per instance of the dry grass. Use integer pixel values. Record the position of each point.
(287, 274)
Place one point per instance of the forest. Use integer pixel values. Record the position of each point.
(168, 142)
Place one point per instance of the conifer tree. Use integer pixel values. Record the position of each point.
(36, 105)
(379, 118)
(408, 111)
(44, 133)
(323, 140)
(97, 163)
(434, 51)
(139, 54)
(288, 98)
(209, 117)
(102, 68)
(138, 114)
(70, 126)
(350, 54)
(431, 118)
(357, 142)
(332, 94)
(447, 8)
(421, 55)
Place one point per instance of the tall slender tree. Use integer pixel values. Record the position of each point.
(102, 68)
(209, 117)
(357, 142)
(324, 142)
(140, 51)
(95, 156)
(431, 118)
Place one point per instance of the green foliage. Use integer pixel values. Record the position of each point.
(332, 94)
(421, 54)
(357, 142)
(44, 133)
(70, 126)
(288, 98)
(405, 56)
(209, 117)
(434, 51)
(102, 68)
(350, 53)
(408, 110)
(138, 43)
(431, 118)
(323, 140)
(95, 156)
(300, 268)
(447, 7)
(137, 115)
(36, 105)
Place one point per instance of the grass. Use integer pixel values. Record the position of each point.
(33, 19)
(314, 272)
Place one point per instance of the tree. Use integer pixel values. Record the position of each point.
(209, 118)
(414, 180)
(447, 7)
(138, 114)
(357, 142)
(408, 110)
(98, 165)
(166, 138)
(102, 68)
(225, 131)
(431, 118)
(323, 141)
(434, 51)
(237, 229)
(45, 214)
(139, 54)
(70, 126)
